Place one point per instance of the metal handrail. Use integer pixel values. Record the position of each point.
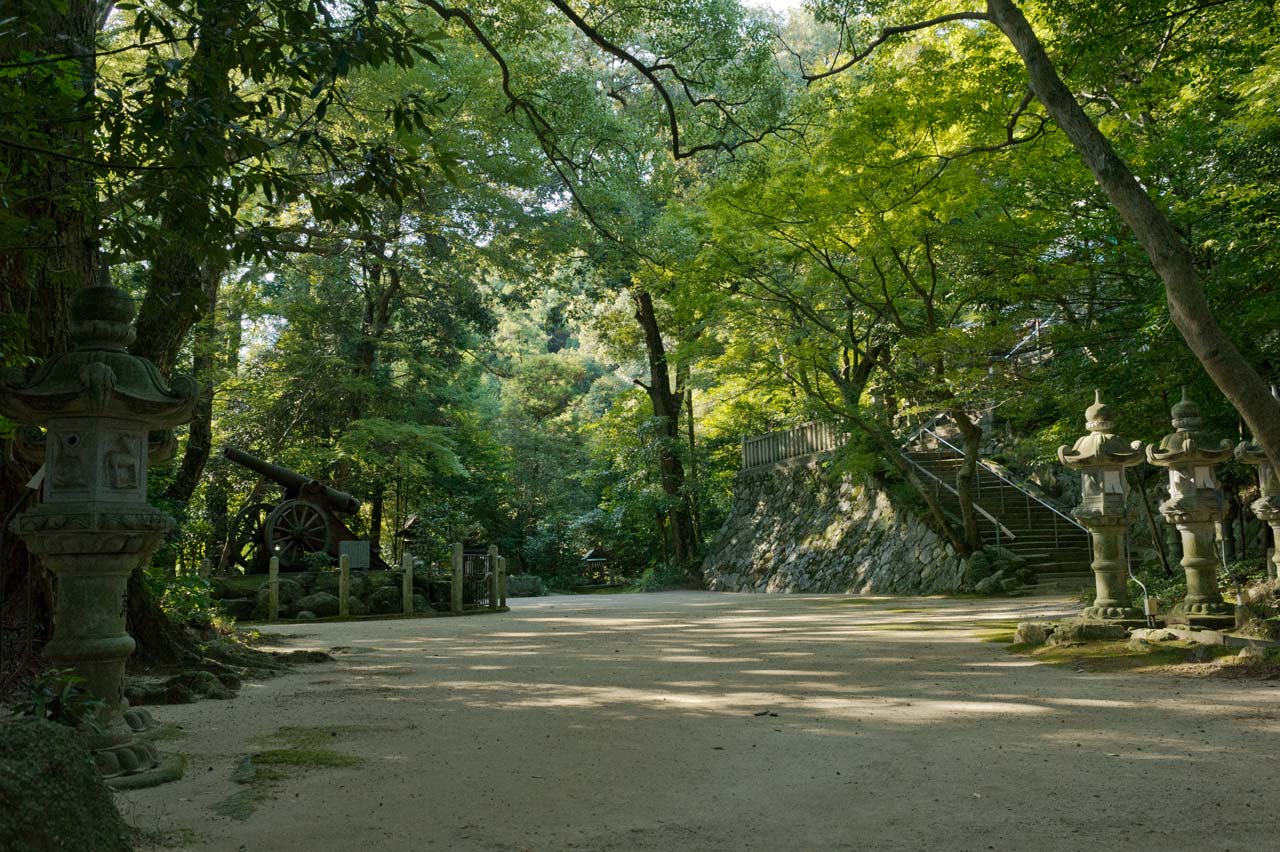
(981, 511)
(1010, 482)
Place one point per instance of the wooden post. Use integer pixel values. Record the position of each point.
(455, 588)
(502, 581)
(493, 576)
(344, 585)
(273, 589)
(406, 582)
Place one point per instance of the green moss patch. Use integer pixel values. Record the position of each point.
(1000, 632)
(304, 757)
(1120, 656)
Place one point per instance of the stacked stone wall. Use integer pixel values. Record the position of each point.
(795, 528)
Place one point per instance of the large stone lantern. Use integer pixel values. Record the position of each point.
(1266, 507)
(1193, 506)
(1101, 457)
(98, 406)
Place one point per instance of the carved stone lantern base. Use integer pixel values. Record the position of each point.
(91, 555)
(1110, 574)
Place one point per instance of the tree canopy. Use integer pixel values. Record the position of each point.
(526, 273)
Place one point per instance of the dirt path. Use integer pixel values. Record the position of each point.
(629, 722)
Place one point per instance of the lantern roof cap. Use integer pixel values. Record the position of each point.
(1101, 447)
(98, 377)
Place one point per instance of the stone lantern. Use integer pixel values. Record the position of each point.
(1194, 505)
(105, 414)
(1101, 457)
(1266, 507)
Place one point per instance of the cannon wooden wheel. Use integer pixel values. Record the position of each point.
(247, 536)
(296, 528)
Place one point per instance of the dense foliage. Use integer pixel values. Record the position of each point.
(526, 273)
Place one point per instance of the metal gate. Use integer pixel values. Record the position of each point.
(475, 578)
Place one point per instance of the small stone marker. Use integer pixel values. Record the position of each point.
(493, 576)
(455, 586)
(205, 569)
(406, 582)
(344, 586)
(273, 589)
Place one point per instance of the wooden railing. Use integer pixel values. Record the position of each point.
(803, 440)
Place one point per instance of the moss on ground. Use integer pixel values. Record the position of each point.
(304, 757)
(298, 749)
(1180, 657)
(1000, 632)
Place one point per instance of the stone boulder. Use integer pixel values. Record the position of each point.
(291, 592)
(420, 604)
(52, 794)
(990, 585)
(385, 601)
(322, 604)
(1032, 633)
(524, 586)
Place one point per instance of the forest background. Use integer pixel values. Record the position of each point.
(527, 272)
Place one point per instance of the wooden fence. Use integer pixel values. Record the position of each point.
(803, 440)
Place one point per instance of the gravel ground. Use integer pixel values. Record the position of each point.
(700, 721)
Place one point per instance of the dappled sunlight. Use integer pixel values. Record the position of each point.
(891, 664)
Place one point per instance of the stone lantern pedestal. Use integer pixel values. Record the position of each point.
(100, 408)
(1101, 457)
(1193, 506)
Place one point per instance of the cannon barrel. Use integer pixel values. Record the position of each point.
(338, 501)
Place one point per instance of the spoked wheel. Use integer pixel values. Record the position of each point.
(246, 537)
(296, 528)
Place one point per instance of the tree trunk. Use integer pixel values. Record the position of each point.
(967, 476)
(375, 518)
(48, 248)
(694, 507)
(200, 436)
(1169, 255)
(666, 409)
(896, 457)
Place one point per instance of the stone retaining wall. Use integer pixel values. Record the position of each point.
(793, 528)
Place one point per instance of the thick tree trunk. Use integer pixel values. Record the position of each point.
(666, 403)
(1169, 255)
(48, 250)
(200, 435)
(967, 475)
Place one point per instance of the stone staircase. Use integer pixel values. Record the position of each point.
(1056, 548)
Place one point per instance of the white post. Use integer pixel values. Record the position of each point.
(344, 585)
(493, 576)
(502, 581)
(273, 589)
(406, 582)
(455, 588)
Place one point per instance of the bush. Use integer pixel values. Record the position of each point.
(661, 576)
(187, 598)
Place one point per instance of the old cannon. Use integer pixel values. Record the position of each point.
(306, 521)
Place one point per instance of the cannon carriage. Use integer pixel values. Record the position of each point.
(307, 520)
